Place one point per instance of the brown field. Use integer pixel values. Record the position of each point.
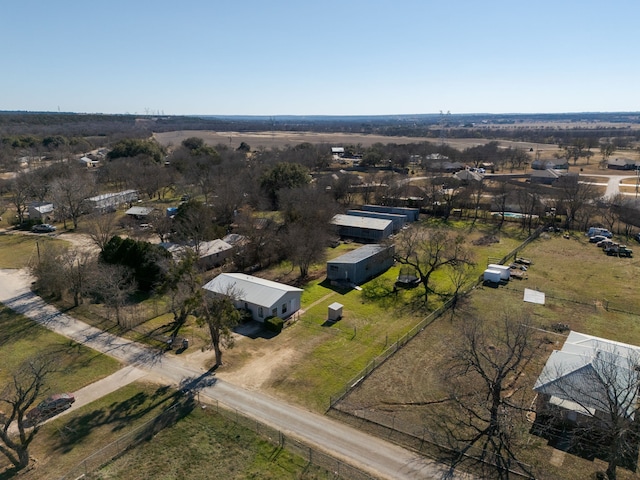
(584, 288)
(282, 139)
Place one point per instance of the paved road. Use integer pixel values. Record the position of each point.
(379, 458)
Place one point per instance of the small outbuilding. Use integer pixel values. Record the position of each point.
(262, 298)
(335, 312)
(139, 213)
(398, 220)
(505, 271)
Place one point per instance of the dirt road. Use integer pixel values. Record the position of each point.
(369, 453)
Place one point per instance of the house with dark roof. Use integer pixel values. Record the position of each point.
(622, 164)
(556, 164)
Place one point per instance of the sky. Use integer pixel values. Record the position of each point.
(329, 57)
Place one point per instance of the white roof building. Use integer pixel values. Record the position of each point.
(588, 373)
(263, 298)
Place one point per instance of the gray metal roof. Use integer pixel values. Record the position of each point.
(359, 254)
(257, 291)
(585, 368)
(361, 222)
(140, 211)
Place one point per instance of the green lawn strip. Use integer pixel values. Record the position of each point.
(66, 441)
(17, 250)
(206, 444)
(74, 366)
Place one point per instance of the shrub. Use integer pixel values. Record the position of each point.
(273, 324)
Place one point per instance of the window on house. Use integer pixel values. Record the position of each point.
(260, 312)
(274, 312)
(284, 308)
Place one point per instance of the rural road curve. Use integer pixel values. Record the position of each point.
(371, 454)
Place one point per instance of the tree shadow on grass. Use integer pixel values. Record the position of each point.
(117, 416)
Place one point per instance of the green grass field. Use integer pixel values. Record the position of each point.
(16, 250)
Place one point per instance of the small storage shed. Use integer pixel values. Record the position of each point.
(492, 276)
(505, 271)
(335, 312)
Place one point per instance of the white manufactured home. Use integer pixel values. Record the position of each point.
(263, 298)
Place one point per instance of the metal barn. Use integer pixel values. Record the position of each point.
(362, 264)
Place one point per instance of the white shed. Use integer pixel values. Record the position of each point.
(335, 312)
(505, 272)
(493, 276)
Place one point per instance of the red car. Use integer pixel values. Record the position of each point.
(50, 407)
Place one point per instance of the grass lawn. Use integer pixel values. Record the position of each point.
(75, 366)
(17, 250)
(586, 289)
(205, 442)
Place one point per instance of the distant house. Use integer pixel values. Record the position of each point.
(545, 177)
(214, 253)
(211, 254)
(337, 151)
(622, 164)
(139, 213)
(363, 229)
(362, 264)
(466, 176)
(111, 201)
(557, 164)
(40, 211)
(580, 380)
(263, 298)
(89, 162)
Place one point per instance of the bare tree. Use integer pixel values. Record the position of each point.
(70, 193)
(20, 194)
(428, 250)
(574, 197)
(486, 382)
(101, 227)
(113, 287)
(183, 287)
(26, 385)
(220, 315)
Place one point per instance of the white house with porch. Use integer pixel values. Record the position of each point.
(263, 298)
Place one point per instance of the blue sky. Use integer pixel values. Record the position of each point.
(286, 57)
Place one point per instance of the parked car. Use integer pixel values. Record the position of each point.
(605, 243)
(50, 407)
(43, 228)
(597, 238)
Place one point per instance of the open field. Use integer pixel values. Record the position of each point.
(281, 139)
(584, 288)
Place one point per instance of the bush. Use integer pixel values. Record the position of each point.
(273, 324)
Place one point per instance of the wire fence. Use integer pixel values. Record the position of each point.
(309, 454)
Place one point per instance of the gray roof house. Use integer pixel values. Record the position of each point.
(586, 375)
(40, 210)
(622, 164)
(263, 298)
(211, 254)
(363, 229)
(360, 265)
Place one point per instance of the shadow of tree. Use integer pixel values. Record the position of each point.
(118, 415)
